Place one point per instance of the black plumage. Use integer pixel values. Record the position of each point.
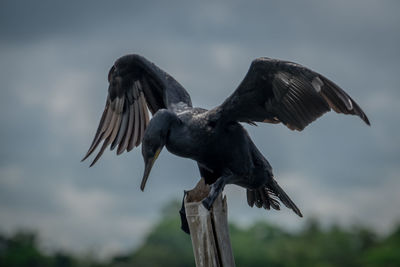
(273, 91)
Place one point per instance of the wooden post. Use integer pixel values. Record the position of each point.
(208, 229)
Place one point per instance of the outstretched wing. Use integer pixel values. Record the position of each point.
(280, 91)
(135, 85)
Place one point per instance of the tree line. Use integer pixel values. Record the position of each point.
(261, 244)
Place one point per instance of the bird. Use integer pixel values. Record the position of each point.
(273, 91)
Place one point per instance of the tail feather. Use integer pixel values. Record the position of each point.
(284, 197)
(250, 197)
(267, 196)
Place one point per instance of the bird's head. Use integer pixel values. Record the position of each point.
(154, 140)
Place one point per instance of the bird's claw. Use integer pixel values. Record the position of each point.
(182, 213)
(206, 203)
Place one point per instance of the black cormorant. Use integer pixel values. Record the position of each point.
(273, 91)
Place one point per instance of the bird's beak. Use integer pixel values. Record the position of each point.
(147, 168)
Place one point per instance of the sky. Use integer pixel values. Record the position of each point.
(54, 60)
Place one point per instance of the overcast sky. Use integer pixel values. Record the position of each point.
(54, 59)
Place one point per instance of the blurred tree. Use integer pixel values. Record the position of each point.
(166, 245)
(21, 250)
(261, 244)
(384, 253)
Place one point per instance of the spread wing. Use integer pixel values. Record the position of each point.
(135, 86)
(277, 91)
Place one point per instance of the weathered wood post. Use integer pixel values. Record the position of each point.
(208, 229)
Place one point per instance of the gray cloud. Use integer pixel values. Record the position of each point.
(55, 57)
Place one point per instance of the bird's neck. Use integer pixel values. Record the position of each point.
(162, 121)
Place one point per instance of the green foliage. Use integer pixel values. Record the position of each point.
(385, 253)
(166, 244)
(262, 244)
(21, 250)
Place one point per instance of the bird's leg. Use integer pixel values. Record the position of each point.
(182, 213)
(216, 189)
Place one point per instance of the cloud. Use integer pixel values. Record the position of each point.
(79, 218)
(53, 72)
(372, 206)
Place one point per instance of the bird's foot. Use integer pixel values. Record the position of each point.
(182, 213)
(216, 189)
(207, 203)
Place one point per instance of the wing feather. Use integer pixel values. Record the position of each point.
(140, 115)
(110, 126)
(135, 135)
(118, 112)
(135, 86)
(103, 147)
(250, 197)
(124, 144)
(145, 111)
(280, 91)
(122, 129)
(99, 133)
